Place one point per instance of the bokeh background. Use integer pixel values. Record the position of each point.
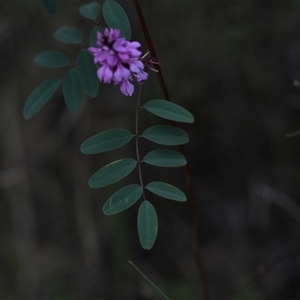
(236, 66)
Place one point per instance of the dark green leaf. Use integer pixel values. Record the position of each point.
(168, 110)
(90, 11)
(40, 96)
(166, 135)
(112, 172)
(72, 91)
(88, 73)
(51, 6)
(106, 141)
(122, 199)
(165, 158)
(147, 225)
(115, 17)
(52, 59)
(69, 35)
(93, 35)
(166, 190)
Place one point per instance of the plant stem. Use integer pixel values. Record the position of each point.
(151, 49)
(150, 281)
(137, 139)
(187, 172)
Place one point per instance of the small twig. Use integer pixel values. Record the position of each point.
(151, 49)
(187, 172)
(150, 281)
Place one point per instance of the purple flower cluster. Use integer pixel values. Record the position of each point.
(120, 60)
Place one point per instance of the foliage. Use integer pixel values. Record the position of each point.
(83, 77)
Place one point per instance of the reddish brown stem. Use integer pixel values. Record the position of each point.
(187, 172)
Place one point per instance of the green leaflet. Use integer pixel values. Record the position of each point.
(166, 190)
(72, 91)
(122, 199)
(51, 59)
(112, 172)
(165, 158)
(90, 11)
(166, 135)
(106, 141)
(168, 110)
(40, 96)
(115, 17)
(87, 73)
(68, 35)
(51, 6)
(147, 225)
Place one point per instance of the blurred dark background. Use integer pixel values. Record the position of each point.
(236, 66)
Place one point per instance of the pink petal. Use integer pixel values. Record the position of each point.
(135, 66)
(141, 76)
(121, 74)
(113, 35)
(119, 45)
(127, 88)
(105, 74)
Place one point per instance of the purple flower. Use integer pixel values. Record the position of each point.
(126, 87)
(120, 60)
(105, 74)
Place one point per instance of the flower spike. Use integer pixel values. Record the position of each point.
(120, 60)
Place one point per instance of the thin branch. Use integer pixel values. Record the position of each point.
(151, 49)
(150, 281)
(187, 172)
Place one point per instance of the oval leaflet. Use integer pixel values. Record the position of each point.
(147, 225)
(115, 17)
(106, 141)
(90, 11)
(166, 135)
(88, 73)
(165, 158)
(40, 96)
(51, 59)
(72, 91)
(68, 35)
(168, 110)
(122, 199)
(112, 172)
(166, 190)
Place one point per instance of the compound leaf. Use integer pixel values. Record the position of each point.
(51, 59)
(122, 199)
(165, 158)
(112, 172)
(147, 225)
(72, 91)
(168, 110)
(166, 135)
(40, 96)
(87, 73)
(166, 190)
(115, 17)
(90, 11)
(106, 141)
(68, 35)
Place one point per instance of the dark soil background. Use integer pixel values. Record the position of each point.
(236, 66)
